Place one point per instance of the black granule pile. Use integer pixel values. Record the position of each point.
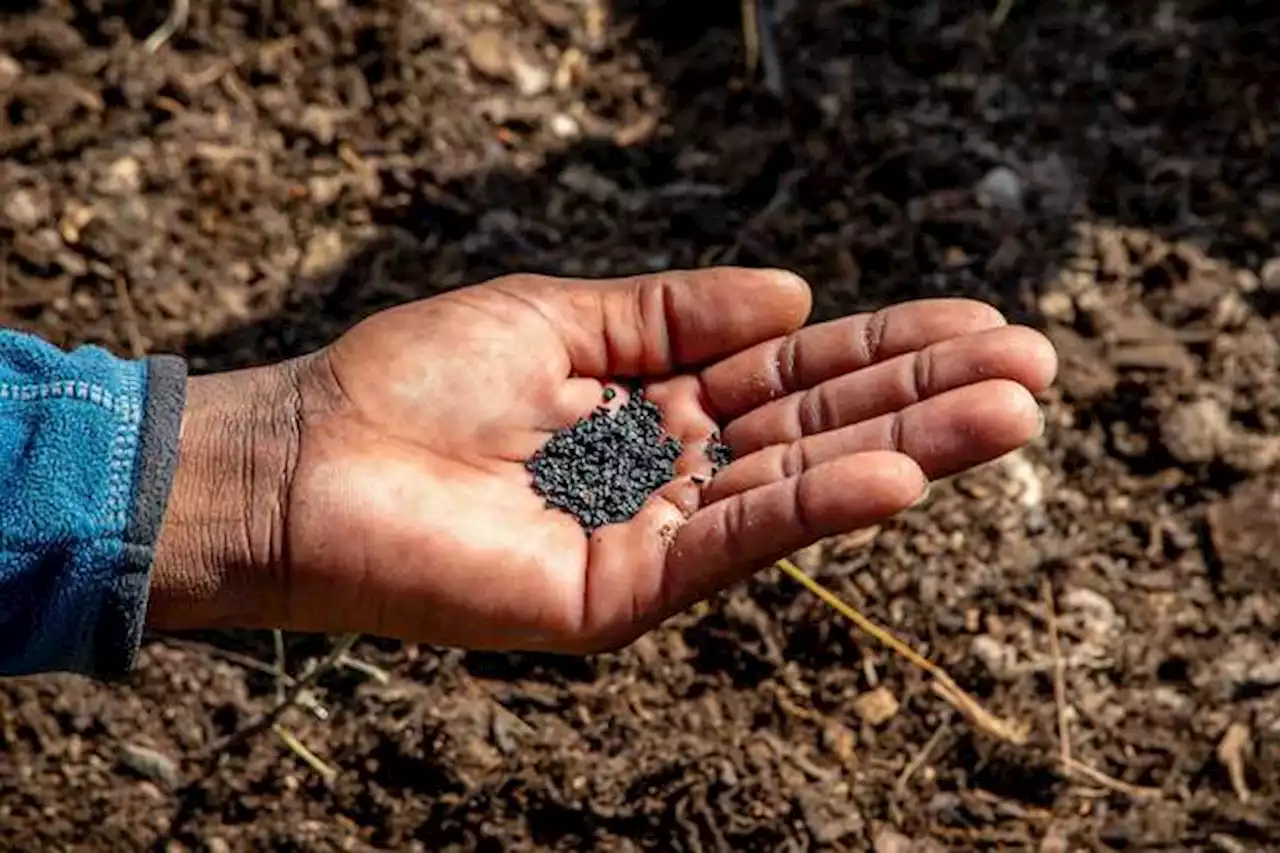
(718, 452)
(602, 469)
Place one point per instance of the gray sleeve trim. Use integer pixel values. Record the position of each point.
(119, 628)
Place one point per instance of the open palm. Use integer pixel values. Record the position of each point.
(411, 513)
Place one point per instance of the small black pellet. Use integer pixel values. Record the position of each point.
(602, 469)
(609, 394)
(719, 453)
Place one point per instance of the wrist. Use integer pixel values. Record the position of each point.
(220, 552)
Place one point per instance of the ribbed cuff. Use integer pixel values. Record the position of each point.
(124, 605)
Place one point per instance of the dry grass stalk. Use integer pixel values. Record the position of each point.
(1001, 13)
(751, 34)
(315, 762)
(272, 717)
(136, 347)
(1059, 674)
(1070, 766)
(178, 16)
(943, 684)
(920, 758)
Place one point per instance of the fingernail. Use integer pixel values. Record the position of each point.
(924, 496)
(1043, 424)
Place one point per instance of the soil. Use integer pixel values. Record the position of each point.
(1107, 171)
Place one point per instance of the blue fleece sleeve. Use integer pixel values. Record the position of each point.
(88, 444)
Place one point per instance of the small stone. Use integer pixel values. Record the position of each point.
(325, 189)
(1195, 432)
(531, 80)
(321, 122)
(24, 209)
(839, 741)
(150, 764)
(1265, 674)
(39, 248)
(490, 54)
(71, 263)
(1269, 275)
(1058, 305)
(1249, 453)
(876, 707)
(1170, 699)
(1247, 281)
(10, 71)
(564, 126)
(997, 657)
(324, 250)
(1001, 187)
(214, 844)
(1093, 605)
(123, 177)
(829, 816)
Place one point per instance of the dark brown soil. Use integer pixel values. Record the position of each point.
(282, 168)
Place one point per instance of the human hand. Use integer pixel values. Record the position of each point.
(379, 486)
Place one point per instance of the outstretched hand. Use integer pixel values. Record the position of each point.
(379, 484)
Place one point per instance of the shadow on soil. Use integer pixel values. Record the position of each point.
(870, 195)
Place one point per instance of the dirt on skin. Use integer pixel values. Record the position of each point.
(1107, 171)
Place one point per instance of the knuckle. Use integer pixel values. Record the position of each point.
(793, 460)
